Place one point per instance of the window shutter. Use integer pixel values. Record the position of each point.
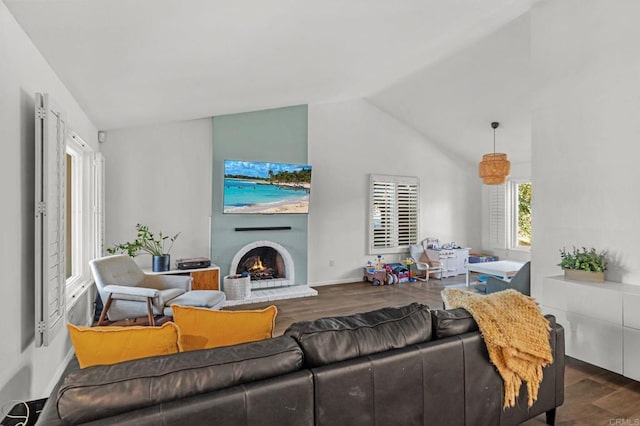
(383, 217)
(50, 278)
(497, 216)
(394, 213)
(407, 196)
(97, 192)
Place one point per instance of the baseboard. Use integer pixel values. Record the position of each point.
(340, 281)
(59, 372)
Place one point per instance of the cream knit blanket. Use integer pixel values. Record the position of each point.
(516, 334)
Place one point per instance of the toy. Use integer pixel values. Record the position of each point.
(409, 261)
(392, 278)
(375, 276)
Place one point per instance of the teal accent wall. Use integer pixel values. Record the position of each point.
(276, 135)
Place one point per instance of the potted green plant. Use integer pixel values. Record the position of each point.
(148, 242)
(583, 264)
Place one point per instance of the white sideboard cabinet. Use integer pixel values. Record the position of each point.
(601, 321)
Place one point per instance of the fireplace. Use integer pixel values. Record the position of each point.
(268, 264)
(262, 263)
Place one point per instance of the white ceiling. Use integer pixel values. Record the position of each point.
(139, 62)
(454, 101)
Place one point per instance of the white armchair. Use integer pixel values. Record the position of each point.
(127, 292)
(423, 263)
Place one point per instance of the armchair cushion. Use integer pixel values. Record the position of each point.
(131, 291)
(164, 297)
(162, 282)
(109, 345)
(119, 269)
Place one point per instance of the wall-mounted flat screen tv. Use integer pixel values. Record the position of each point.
(266, 188)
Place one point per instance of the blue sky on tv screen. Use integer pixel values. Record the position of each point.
(259, 169)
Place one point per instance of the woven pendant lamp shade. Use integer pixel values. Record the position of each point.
(494, 168)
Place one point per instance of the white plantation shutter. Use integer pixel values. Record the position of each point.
(50, 277)
(97, 192)
(407, 196)
(393, 215)
(497, 216)
(383, 208)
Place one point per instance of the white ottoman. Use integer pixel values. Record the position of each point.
(210, 299)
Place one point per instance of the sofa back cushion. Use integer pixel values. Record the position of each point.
(202, 328)
(107, 390)
(333, 339)
(452, 322)
(109, 345)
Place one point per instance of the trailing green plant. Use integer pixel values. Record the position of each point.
(147, 242)
(583, 259)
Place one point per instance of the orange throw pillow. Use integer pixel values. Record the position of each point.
(202, 328)
(109, 345)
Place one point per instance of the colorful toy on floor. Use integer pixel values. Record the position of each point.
(380, 273)
(374, 275)
(409, 261)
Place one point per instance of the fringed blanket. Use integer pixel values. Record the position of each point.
(516, 334)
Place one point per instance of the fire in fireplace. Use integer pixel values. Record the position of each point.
(262, 263)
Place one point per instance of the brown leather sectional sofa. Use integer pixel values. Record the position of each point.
(394, 366)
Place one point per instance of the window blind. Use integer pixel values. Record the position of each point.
(497, 216)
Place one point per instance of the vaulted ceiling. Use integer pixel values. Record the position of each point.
(138, 62)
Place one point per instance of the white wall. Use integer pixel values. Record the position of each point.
(586, 133)
(160, 176)
(350, 140)
(453, 101)
(347, 142)
(26, 372)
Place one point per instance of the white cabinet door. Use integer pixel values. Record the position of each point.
(631, 368)
(462, 257)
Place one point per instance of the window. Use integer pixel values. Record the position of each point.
(394, 213)
(77, 208)
(520, 214)
(510, 215)
(84, 225)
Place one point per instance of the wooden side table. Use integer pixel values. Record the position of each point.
(203, 278)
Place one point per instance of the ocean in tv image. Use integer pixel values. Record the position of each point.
(261, 187)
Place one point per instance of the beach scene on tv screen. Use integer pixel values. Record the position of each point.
(260, 187)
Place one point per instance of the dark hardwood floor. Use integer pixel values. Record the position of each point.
(593, 396)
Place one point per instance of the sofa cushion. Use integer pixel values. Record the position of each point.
(102, 391)
(452, 322)
(328, 340)
(108, 345)
(202, 328)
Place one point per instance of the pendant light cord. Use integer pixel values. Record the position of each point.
(494, 126)
(494, 142)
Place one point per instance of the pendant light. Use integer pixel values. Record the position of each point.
(494, 168)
